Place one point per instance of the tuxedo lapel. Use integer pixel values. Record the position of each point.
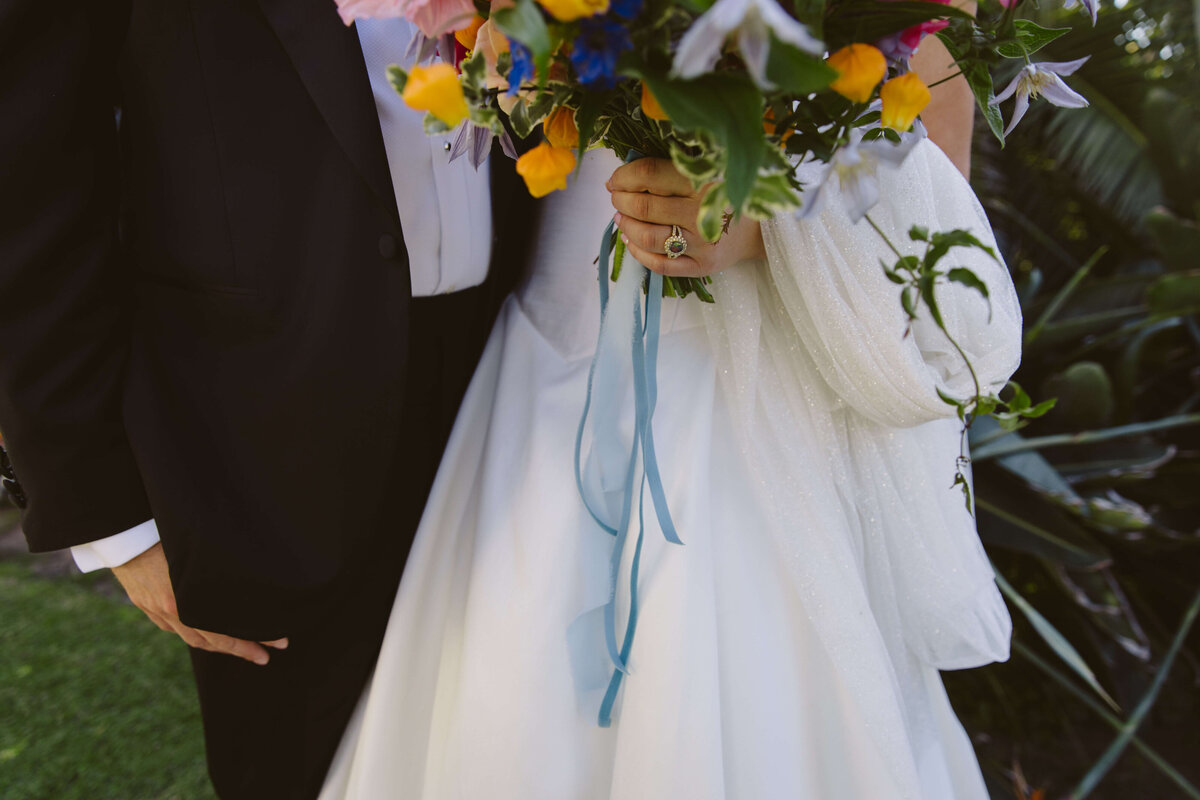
(328, 57)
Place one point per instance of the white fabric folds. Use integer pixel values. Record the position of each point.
(789, 649)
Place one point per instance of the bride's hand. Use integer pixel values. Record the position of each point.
(650, 196)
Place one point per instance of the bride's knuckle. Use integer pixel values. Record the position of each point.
(644, 169)
(640, 206)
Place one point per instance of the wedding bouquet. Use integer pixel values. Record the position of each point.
(735, 92)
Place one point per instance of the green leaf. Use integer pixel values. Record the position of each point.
(699, 169)
(397, 77)
(967, 278)
(928, 286)
(1030, 38)
(868, 20)
(947, 399)
(1114, 751)
(796, 72)
(812, 14)
(772, 195)
(1177, 293)
(729, 107)
(433, 125)
(1178, 240)
(1041, 408)
(1058, 643)
(942, 242)
(524, 118)
(1018, 517)
(524, 22)
(918, 233)
(712, 213)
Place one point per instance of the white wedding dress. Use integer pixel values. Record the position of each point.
(790, 648)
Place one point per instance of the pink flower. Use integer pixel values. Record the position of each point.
(900, 47)
(433, 17)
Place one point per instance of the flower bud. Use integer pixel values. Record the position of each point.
(436, 89)
(860, 68)
(560, 129)
(545, 168)
(903, 98)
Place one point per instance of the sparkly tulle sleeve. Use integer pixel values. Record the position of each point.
(828, 275)
(816, 357)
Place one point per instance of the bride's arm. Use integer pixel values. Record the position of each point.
(950, 115)
(827, 273)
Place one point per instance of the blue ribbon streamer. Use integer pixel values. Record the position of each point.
(644, 352)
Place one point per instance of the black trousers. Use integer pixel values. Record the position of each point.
(271, 732)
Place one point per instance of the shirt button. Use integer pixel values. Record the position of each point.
(446, 146)
(388, 246)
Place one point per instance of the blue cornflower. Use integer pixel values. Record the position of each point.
(595, 51)
(522, 66)
(626, 9)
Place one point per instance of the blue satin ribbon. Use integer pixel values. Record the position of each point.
(644, 352)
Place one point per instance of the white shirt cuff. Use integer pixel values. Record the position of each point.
(116, 550)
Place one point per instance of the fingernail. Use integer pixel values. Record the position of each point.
(281, 644)
(262, 659)
(617, 219)
(625, 239)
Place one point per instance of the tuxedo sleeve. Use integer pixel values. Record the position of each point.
(65, 299)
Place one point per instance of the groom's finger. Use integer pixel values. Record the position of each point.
(241, 648)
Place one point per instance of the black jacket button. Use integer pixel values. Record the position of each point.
(388, 246)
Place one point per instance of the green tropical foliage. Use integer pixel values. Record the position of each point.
(1092, 514)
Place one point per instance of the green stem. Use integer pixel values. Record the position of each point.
(1065, 292)
(945, 79)
(883, 236)
(1085, 437)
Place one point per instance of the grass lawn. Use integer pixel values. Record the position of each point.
(95, 702)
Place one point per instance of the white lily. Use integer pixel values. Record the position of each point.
(856, 167)
(1042, 79)
(753, 21)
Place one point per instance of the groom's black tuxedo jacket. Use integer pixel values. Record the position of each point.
(203, 308)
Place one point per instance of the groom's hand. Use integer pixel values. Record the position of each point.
(148, 584)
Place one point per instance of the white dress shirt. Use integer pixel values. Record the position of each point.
(445, 215)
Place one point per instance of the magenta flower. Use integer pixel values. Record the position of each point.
(898, 48)
(433, 17)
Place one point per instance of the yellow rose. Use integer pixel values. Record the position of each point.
(545, 168)
(466, 36)
(860, 68)
(903, 98)
(569, 10)
(650, 106)
(560, 128)
(436, 89)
